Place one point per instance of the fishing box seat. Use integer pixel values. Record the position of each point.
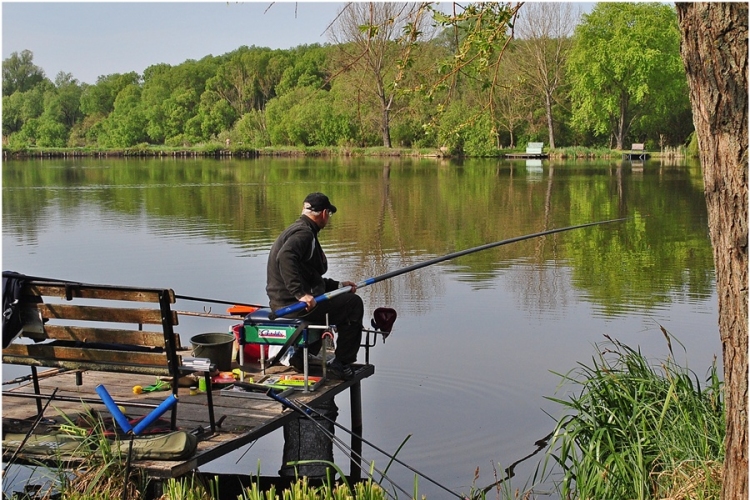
(76, 326)
(259, 328)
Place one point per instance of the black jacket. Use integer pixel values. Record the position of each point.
(296, 265)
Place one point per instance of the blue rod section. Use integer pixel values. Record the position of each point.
(121, 420)
(155, 413)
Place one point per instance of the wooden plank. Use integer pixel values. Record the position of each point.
(120, 357)
(103, 314)
(97, 292)
(104, 335)
(83, 365)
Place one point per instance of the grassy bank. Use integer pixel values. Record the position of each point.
(216, 150)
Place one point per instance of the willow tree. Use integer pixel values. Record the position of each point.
(625, 64)
(714, 49)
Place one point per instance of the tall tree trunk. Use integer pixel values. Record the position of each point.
(550, 121)
(714, 50)
(386, 128)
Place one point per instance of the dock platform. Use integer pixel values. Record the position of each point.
(525, 156)
(242, 420)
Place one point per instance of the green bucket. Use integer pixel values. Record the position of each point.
(215, 346)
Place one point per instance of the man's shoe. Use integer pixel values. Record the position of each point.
(340, 371)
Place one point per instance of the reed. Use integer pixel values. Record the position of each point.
(639, 430)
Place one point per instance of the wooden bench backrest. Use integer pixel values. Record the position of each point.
(97, 327)
(638, 147)
(534, 147)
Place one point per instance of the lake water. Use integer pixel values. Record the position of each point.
(478, 339)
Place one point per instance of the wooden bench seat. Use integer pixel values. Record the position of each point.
(534, 148)
(637, 152)
(105, 328)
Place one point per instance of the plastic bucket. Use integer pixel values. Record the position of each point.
(215, 346)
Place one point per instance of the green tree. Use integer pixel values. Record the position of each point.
(308, 116)
(625, 68)
(20, 73)
(308, 68)
(126, 125)
(97, 102)
(64, 102)
(171, 97)
(215, 115)
(248, 79)
(100, 97)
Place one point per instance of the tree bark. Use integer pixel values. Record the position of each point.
(714, 50)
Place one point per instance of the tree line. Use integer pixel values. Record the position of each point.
(395, 75)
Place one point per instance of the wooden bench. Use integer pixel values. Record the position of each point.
(534, 148)
(82, 327)
(637, 152)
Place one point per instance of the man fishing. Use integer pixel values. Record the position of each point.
(296, 265)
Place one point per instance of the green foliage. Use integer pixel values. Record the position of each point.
(308, 117)
(302, 490)
(625, 70)
(250, 130)
(462, 132)
(190, 488)
(126, 125)
(20, 74)
(100, 98)
(307, 69)
(635, 428)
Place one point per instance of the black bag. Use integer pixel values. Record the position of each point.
(12, 321)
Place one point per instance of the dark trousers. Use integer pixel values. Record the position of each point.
(345, 311)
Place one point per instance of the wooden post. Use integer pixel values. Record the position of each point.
(355, 398)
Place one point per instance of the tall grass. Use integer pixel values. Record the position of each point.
(638, 430)
(102, 473)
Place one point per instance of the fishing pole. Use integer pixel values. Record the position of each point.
(44, 374)
(33, 427)
(216, 301)
(368, 443)
(335, 439)
(284, 311)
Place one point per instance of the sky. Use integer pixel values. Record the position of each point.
(92, 39)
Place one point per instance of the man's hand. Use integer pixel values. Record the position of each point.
(310, 301)
(349, 283)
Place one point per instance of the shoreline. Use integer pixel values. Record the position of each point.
(243, 153)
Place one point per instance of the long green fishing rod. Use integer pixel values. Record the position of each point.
(284, 311)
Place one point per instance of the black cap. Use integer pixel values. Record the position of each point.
(317, 202)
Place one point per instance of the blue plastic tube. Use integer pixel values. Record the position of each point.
(121, 420)
(155, 413)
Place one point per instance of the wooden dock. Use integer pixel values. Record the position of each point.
(242, 420)
(526, 156)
